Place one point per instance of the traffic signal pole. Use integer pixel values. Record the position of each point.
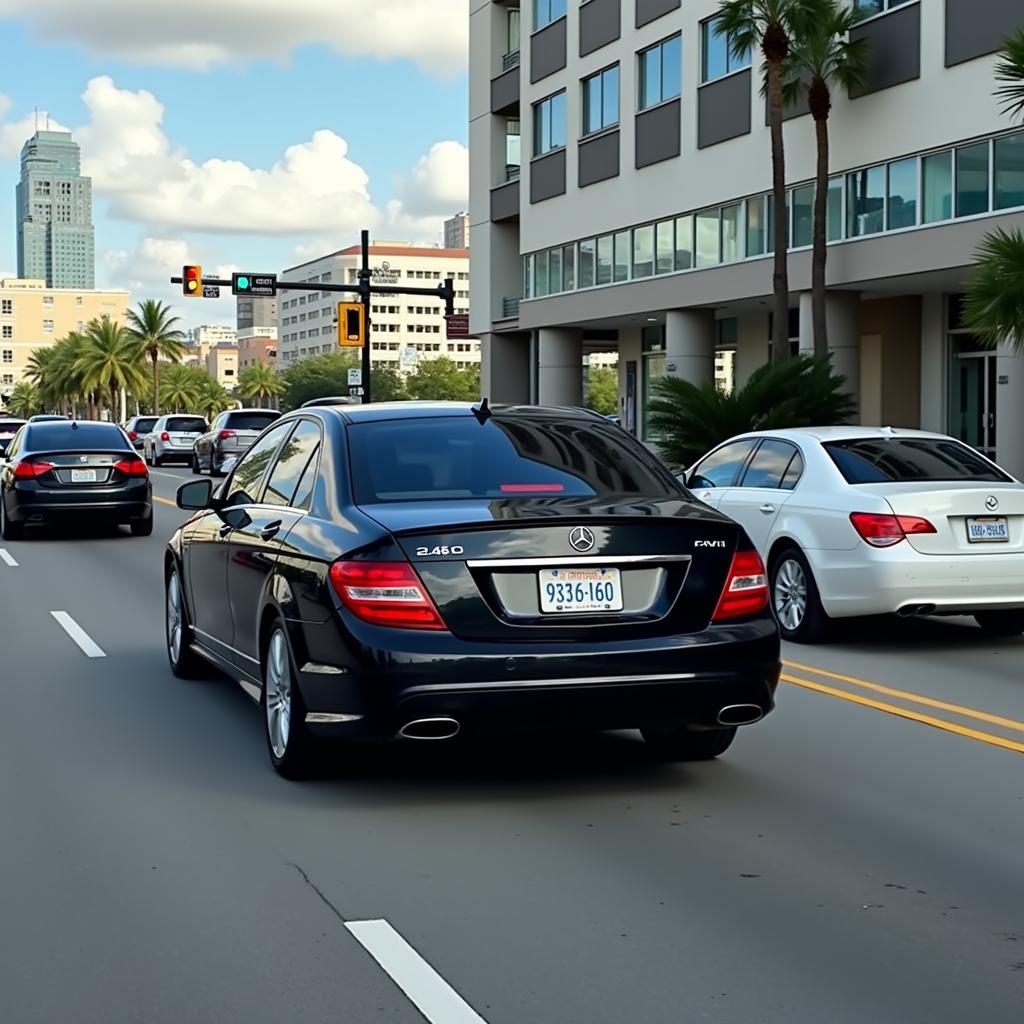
(364, 291)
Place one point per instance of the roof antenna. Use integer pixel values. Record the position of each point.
(482, 412)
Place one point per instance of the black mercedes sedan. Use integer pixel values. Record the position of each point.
(68, 471)
(421, 570)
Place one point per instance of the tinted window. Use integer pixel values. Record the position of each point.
(879, 460)
(251, 420)
(304, 492)
(186, 424)
(521, 456)
(793, 474)
(69, 436)
(144, 426)
(290, 463)
(10, 426)
(769, 464)
(245, 481)
(721, 468)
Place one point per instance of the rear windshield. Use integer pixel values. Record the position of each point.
(451, 458)
(187, 424)
(142, 426)
(252, 420)
(877, 460)
(69, 436)
(10, 426)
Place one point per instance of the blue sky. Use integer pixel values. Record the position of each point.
(180, 116)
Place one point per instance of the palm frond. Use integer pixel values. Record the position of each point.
(994, 309)
(1010, 71)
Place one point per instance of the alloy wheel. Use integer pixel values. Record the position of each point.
(790, 594)
(278, 697)
(175, 628)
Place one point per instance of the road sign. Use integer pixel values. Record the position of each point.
(211, 291)
(458, 325)
(355, 377)
(356, 391)
(254, 284)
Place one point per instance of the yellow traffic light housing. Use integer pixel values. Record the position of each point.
(351, 325)
(192, 282)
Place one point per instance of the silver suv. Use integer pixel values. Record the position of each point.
(172, 437)
(229, 436)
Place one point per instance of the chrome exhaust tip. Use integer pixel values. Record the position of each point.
(740, 714)
(430, 729)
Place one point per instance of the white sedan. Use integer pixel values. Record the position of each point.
(873, 520)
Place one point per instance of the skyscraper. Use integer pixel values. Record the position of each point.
(456, 232)
(56, 239)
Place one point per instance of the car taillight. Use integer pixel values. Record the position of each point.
(165, 436)
(385, 594)
(746, 588)
(132, 435)
(225, 434)
(132, 467)
(883, 531)
(30, 470)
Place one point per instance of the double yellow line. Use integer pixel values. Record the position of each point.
(911, 698)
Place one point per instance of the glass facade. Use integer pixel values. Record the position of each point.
(717, 57)
(549, 124)
(904, 194)
(661, 72)
(601, 100)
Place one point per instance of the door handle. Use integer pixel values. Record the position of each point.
(270, 531)
(767, 509)
(225, 530)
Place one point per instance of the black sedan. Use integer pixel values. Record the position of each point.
(65, 471)
(422, 570)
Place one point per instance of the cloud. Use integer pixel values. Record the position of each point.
(14, 134)
(198, 35)
(436, 188)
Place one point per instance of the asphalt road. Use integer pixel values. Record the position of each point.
(846, 862)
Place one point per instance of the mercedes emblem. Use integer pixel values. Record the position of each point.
(581, 539)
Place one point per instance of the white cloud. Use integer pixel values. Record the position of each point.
(199, 35)
(436, 188)
(14, 134)
(5, 104)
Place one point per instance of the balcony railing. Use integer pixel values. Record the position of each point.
(509, 308)
(512, 172)
(510, 60)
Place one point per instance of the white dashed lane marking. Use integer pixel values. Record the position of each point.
(7, 558)
(88, 646)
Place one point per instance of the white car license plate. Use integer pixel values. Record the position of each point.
(83, 476)
(988, 530)
(564, 591)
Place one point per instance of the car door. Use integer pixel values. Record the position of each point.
(765, 486)
(259, 516)
(204, 444)
(719, 470)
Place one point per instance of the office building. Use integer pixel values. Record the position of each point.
(222, 364)
(256, 312)
(456, 232)
(636, 218)
(405, 329)
(257, 345)
(33, 315)
(56, 240)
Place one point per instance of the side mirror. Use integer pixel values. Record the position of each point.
(236, 518)
(196, 495)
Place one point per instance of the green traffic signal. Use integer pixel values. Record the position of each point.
(243, 284)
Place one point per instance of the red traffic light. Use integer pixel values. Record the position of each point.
(192, 281)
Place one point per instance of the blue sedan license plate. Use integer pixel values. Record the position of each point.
(565, 591)
(988, 530)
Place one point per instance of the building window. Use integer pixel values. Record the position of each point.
(834, 220)
(901, 207)
(605, 259)
(803, 216)
(661, 72)
(937, 176)
(547, 11)
(8, 331)
(601, 100)
(48, 300)
(684, 242)
(48, 327)
(731, 233)
(866, 192)
(708, 238)
(757, 226)
(7, 378)
(717, 56)
(643, 251)
(870, 7)
(79, 300)
(622, 256)
(549, 124)
(588, 262)
(8, 355)
(1009, 172)
(972, 180)
(664, 247)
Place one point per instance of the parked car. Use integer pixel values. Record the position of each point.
(74, 470)
(137, 428)
(416, 570)
(856, 521)
(173, 437)
(230, 434)
(8, 428)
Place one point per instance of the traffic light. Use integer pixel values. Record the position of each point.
(192, 282)
(351, 325)
(241, 284)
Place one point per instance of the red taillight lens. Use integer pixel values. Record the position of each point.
(225, 434)
(31, 470)
(883, 531)
(132, 435)
(532, 488)
(165, 436)
(746, 588)
(385, 594)
(132, 467)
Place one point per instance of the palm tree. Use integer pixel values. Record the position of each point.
(24, 401)
(39, 370)
(771, 25)
(211, 397)
(109, 360)
(179, 389)
(65, 377)
(995, 299)
(824, 55)
(153, 328)
(260, 383)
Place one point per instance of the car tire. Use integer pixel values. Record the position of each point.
(197, 466)
(142, 527)
(185, 663)
(1001, 623)
(796, 602)
(9, 530)
(689, 744)
(291, 746)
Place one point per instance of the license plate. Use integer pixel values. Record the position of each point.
(83, 476)
(988, 530)
(565, 591)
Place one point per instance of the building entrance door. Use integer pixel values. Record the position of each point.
(972, 406)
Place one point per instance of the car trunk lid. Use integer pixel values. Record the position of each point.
(80, 469)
